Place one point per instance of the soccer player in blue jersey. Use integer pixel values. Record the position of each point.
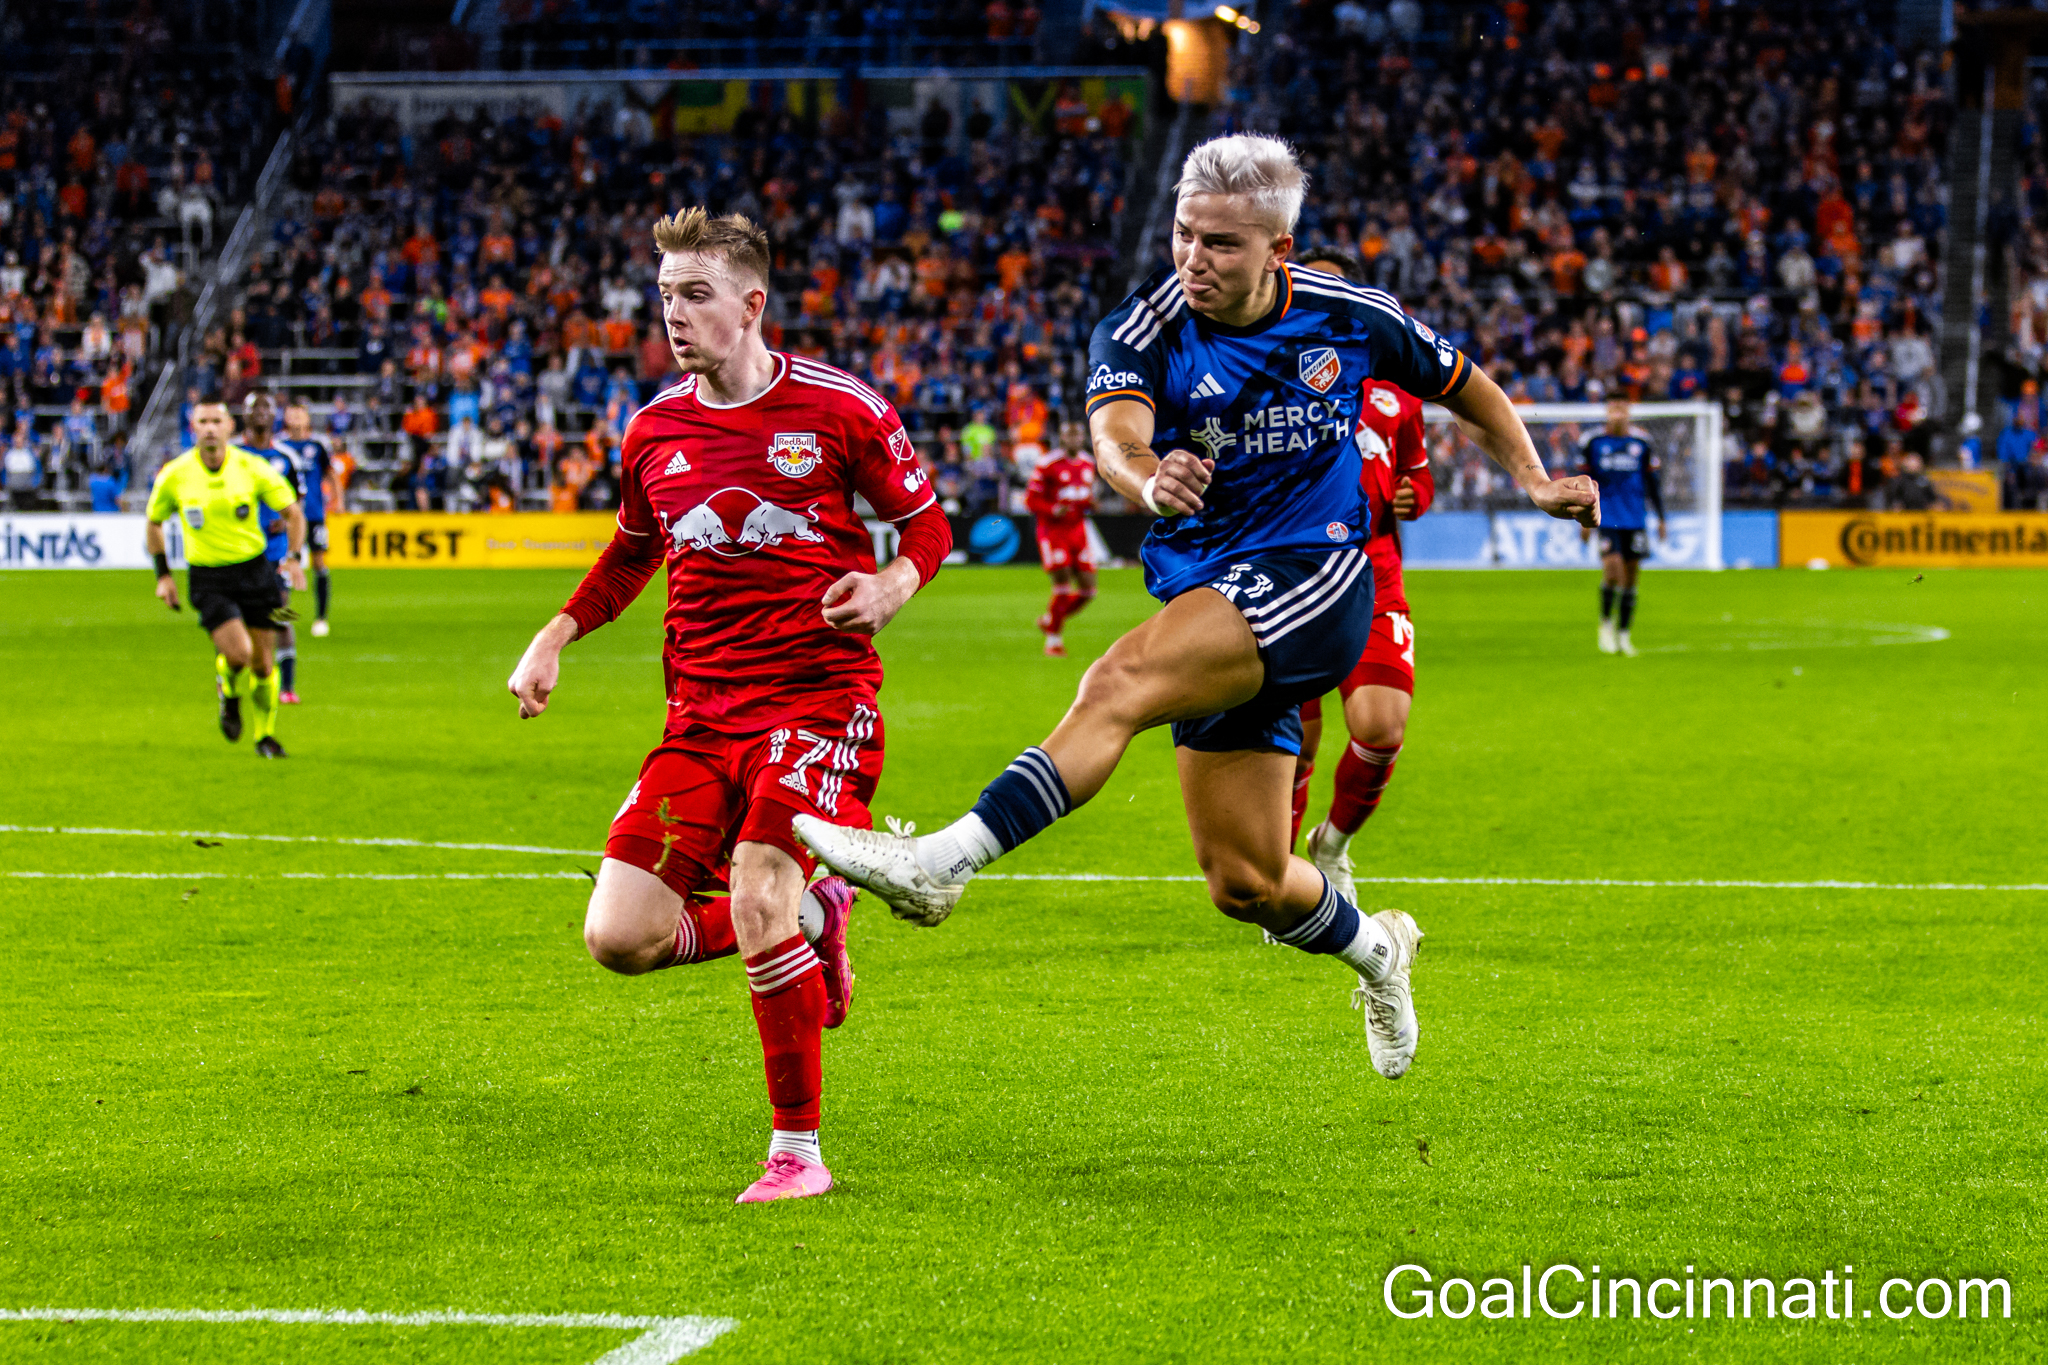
(259, 428)
(1621, 461)
(1224, 396)
(316, 466)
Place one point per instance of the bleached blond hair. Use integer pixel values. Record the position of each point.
(735, 239)
(1262, 169)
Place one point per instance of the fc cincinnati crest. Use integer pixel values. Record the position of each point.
(1320, 367)
(794, 453)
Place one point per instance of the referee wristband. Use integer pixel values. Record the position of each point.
(1145, 496)
(163, 564)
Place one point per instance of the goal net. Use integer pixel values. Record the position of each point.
(1483, 521)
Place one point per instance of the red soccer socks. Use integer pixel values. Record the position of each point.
(788, 985)
(1362, 776)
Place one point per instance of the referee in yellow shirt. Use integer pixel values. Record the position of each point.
(214, 489)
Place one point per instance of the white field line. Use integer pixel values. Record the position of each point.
(1694, 884)
(1681, 884)
(296, 839)
(662, 1340)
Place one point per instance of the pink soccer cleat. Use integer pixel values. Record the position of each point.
(789, 1177)
(287, 699)
(836, 894)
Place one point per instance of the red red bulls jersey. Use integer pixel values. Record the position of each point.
(1062, 490)
(754, 502)
(1390, 442)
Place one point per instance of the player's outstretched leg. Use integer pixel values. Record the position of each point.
(786, 981)
(1237, 812)
(1197, 657)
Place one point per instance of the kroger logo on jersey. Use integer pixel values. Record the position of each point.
(736, 521)
(1106, 378)
(1320, 368)
(795, 453)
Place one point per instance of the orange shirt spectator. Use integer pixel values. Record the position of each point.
(497, 299)
(72, 199)
(1566, 266)
(83, 150)
(617, 334)
(656, 360)
(421, 248)
(1550, 138)
(498, 248)
(1115, 117)
(1668, 275)
(1700, 164)
(578, 330)
(420, 419)
(573, 473)
(1832, 214)
(1011, 267)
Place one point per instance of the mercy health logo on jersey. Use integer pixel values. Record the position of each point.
(1293, 426)
(1320, 368)
(736, 521)
(795, 453)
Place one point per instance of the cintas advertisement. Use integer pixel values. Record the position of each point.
(63, 540)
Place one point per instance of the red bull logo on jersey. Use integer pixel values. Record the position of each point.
(1320, 368)
(795, 453)
(735, 521)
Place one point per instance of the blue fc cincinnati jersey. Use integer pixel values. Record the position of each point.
(282, 461)
(1626, 469)
(1274, 404)
(314, 463)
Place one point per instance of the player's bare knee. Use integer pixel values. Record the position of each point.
(619, 945)
(1242, 892)
(1114, 687)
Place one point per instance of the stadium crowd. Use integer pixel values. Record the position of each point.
(1741, 203)
(125, 150)
(474, 323)
(1737, 203)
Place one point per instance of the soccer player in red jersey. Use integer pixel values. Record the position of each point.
(1377, 693)
(1061, 495)
(741, 479)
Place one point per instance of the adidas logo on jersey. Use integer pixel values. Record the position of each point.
(1208, 388)
(676, 465)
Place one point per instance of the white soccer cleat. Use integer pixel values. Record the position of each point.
(320, 630)
(1330, 851)
(1609, 644)
(1627, 646)
(1390, 1028)
(885, 864)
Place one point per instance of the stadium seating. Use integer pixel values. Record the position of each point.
(129, 138)
(476, 325)
(1739, 203)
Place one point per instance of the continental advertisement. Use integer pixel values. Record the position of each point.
(1913, 540)
(429, 540)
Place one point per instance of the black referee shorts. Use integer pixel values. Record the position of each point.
(250, 591)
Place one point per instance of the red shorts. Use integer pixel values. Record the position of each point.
(1389, 658)
(1063, 546)
(702, 792)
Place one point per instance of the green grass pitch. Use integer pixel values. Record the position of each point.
(1082, 1120)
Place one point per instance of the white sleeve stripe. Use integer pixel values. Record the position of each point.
(1151, 308)
(915, 510)
(879, 407)
(825, 374)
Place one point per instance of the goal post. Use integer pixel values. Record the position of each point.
(1483, 521)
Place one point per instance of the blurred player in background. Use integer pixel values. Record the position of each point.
(1398, 486)
(741, 479)
(1620, 459)
(1060, 495)
(217, 491)
(1258, 556)
(259, 428)
(316, 472)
